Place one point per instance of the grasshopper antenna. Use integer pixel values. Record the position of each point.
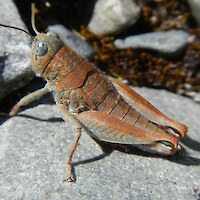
(33, 19)
(32, 23)
(14, 27)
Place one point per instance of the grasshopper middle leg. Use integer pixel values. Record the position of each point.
(69, 168)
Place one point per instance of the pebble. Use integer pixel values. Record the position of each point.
(194, 95)
(170, 43)
(195, 7)
(113, 16)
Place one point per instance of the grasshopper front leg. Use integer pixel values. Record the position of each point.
(29, 98)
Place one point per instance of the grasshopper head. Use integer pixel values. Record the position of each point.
(44, 48)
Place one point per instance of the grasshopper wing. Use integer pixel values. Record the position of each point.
(111, 129)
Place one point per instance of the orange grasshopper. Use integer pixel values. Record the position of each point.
(109, 110)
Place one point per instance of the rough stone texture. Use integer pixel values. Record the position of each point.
(15, 68)
(73, 40)
(170, 43)
(32, 159)
(110, 17)
(195, 7)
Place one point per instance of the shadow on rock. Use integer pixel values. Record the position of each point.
(5, 116)
(192, 144)
(181, 157)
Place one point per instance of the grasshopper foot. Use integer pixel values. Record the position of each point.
(70, 179)
(70, 172)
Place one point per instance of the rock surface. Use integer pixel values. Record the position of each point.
(195, 7)
(170, 42)
(15, 68)
(110, 17)
(73, 40)
(32, 159)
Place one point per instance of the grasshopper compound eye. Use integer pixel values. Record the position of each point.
(41, 48)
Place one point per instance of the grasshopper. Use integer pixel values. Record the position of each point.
(109, 110)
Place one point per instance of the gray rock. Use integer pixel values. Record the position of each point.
(110, 17)
(15, 68)
(195, 7)
(170, 42)
(32, 159)
(73, 40)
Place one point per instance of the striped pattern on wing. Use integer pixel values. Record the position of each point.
(111, 129)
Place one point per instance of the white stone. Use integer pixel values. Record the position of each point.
(112, 16)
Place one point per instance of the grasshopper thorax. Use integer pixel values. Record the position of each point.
(44, 48)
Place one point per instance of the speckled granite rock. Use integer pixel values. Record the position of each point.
(32, 159)
(15, 68)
